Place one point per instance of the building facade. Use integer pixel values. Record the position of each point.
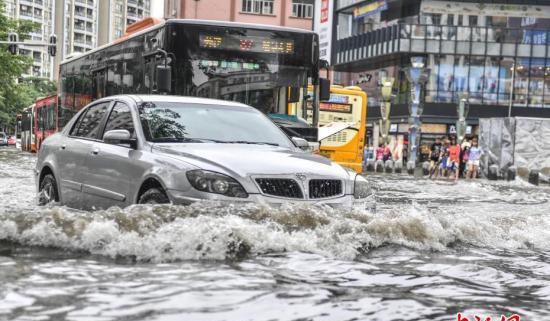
(117, 15)
(41, 12)
(289, 13)
(496, 51)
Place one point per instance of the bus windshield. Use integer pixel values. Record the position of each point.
(254, 83)
(257, 67)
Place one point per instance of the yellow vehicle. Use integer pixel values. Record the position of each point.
(342, 125)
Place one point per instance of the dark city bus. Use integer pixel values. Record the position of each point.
(267, 67)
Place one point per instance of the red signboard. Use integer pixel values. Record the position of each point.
(324, 11)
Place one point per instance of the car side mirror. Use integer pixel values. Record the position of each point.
(119, 136)
(300, 143)
(324, 89)
(164, 79)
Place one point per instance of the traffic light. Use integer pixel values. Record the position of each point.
(52, 47)
(13, 47)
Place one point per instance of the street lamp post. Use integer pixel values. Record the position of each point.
(385, 108)
(462, 109)
(510, 102)
(418, 75)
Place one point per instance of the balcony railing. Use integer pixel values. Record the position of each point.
(416, 38)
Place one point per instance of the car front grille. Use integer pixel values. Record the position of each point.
(282, 187)
(323, 188)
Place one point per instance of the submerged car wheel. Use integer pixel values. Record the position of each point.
(154, 196)
(48, 190)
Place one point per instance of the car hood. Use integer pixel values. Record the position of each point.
(246, 160)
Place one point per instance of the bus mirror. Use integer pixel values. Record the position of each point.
(324, 89)
(164, 79)
(294, 95)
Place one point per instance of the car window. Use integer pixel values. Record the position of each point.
(89, 123)
(173, 122)
(120, 118)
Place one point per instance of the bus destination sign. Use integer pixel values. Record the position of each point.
(335, 107)
(250, 43)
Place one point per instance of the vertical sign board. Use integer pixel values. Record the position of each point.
(323, 26)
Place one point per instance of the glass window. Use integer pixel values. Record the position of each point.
(302, 8)
(431, 85)
(430, 19)
(505, 80)
(521, 88)
(461, 73)
(179, 122)
(120, 118)
(536, 82)
(90, 121)
(446, 78)
(547, 84)
(258, 6)
(476, 78)
(490, 79)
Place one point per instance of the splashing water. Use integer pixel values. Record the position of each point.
(432, 249)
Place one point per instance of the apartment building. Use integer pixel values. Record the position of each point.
(41, 12)
(117, 15)
(288, 13)
(82, 25)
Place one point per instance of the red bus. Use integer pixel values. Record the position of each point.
(45, 119)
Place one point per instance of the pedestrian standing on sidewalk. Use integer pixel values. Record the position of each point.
(435, 156)
(444, 163)
(454, 158)
(380, 152)
(464, 155)
(387, 153)
(473, 160)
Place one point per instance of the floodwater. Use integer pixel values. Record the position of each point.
(430, 250)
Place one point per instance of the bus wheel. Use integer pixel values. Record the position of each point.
(48, 190)
(154, 196)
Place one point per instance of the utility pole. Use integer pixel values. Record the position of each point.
(418, 76)
(512, 89)
(385, 108)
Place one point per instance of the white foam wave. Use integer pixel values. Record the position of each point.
(214, 231)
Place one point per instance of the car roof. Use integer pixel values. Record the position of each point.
(185, 99)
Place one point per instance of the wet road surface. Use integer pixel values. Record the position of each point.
(431, 249)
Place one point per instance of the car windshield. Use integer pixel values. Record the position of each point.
(195, 123)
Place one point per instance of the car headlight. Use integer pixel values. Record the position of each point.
(212, 182)
(361, 188)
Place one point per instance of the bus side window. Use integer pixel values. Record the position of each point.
(51, 116)
(99, 78)
(41, 118)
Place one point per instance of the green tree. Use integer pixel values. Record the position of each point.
(15, 96)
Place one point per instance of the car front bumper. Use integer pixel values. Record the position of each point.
(346, 202)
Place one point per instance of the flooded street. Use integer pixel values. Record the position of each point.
(430, 250)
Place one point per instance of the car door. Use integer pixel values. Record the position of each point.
(112, 165)
(74, 150)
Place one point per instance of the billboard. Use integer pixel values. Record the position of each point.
(322, 25)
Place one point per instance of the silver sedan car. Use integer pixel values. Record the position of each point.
(129, 149)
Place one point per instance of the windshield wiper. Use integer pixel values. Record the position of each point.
(246, 142)
(175, 140)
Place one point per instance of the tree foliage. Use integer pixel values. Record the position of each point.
(16, 93)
